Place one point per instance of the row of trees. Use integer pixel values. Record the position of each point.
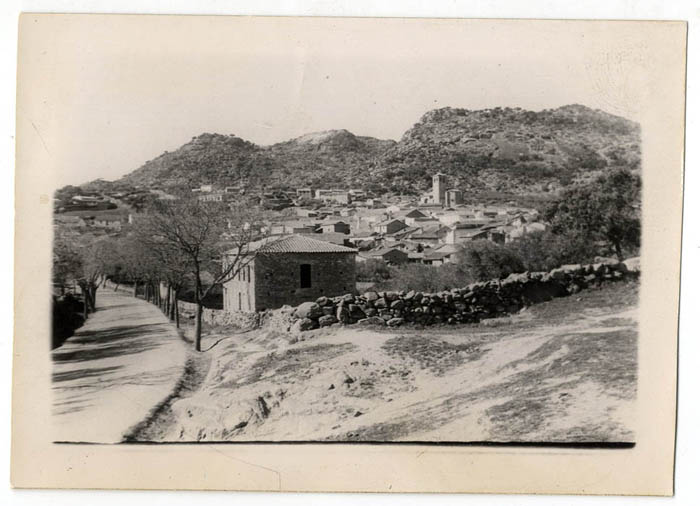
(174, 244)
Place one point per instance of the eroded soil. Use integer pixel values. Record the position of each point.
(562, 371)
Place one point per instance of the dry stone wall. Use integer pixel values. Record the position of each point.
(472, 303)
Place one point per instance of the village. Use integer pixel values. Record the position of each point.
(429, 229)
(252, 306)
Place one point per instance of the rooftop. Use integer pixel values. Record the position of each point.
(295, 244)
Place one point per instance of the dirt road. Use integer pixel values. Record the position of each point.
(108, 377)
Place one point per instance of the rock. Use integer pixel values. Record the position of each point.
(304, 324)
(380, 302)
(348, 298)
(322, 301)
(309, 310)
(342, 314)
(332, 387)
(328, 310)
(327, 320)
(372, 320)
(356, 311)
(371, 296)
(391, 296)
(410, 295)
(395, 322)
(397, 305)
(516, 277)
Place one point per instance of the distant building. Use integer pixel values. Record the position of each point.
(214, 197)
(389, 255)
(453, 198)
(108, 221)
(339, 196)
(442, 255)
(357, 194)
(389, 226)
(411, 216)
(439, 186)
(290, 270)
(305, 193)
(336, 226)
(293, 227)
(86, 199)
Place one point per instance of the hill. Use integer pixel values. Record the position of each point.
(499, 150)
(510, 150)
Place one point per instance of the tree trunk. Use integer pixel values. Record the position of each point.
(168, 300)
(177, 312)
(198, 327)
(116, 286)
(92, 296)
(198, 314)
(136, 287)
(83, 289)
(618, 251)
(172, 303)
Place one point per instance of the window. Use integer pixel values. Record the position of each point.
(248, 269)
(239, 301)
(305, 276)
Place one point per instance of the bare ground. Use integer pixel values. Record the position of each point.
(562, 371)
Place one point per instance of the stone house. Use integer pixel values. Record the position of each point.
(109, 221)
(389, 255)
(389, 226)
(290, 270)
(336, 226)
(305, 193)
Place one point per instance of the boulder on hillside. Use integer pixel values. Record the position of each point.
(372, 320)
(303, 325)
(309, 310)
(327, 320)
(395, 322)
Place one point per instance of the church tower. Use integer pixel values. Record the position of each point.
(439, 187)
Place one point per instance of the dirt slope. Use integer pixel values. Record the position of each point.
(562, 371)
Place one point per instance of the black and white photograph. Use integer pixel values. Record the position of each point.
(359, 232)
(472, 279)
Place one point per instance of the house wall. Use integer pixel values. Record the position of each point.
(395, 257)
(243, 286)
(277, 278)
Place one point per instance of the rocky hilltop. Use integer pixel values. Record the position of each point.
(502, 149)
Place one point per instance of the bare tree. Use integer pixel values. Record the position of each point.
(192, 238)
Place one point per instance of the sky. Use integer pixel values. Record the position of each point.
(110, 93)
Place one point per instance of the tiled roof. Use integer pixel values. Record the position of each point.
(296, 244)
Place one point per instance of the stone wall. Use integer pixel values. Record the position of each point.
(472, 303)
(240, 319)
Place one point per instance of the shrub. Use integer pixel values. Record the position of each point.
(484, 260)
(372, 270)
(424, 278)
(543, 251)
